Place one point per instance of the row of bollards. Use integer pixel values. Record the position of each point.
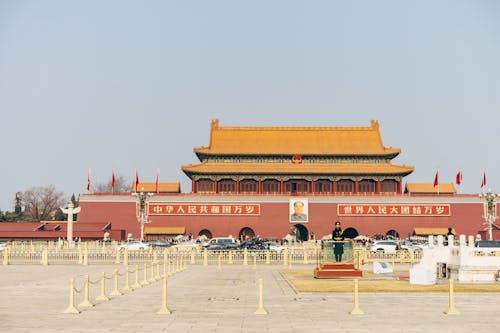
(177, 266)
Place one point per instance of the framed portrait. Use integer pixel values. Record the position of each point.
(299, 210)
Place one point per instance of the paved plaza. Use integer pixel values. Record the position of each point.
(209, 299)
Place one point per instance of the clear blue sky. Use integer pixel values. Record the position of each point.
(134, 84)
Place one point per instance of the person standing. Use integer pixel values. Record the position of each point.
(338, 242)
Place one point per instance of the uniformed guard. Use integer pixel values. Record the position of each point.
(338, 241)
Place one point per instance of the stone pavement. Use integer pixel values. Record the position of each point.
(206, 299)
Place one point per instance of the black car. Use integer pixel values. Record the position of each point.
(160, 243)
(487, 243)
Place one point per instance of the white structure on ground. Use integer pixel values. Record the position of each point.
(463, 262)
(70, 211)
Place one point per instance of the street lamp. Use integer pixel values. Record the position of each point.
(490, 210)
(142, 215)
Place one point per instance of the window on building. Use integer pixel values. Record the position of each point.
(270, 186)
(248, 186)
(322, 186)
(345, 185)
(205, 185)
(389, 185)
(226, 186)
(367, 186)
(297, 186)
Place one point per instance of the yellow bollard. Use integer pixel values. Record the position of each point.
(145, 276)
(115, 291)
(230, 260)
(102, 296)
(45, 257)
(71, 308)
(260, 310)
(192, 258)
(125, 256)
(451, 307)
(356, 310)
(164, 309)
(118, 254)
(305, 257)
(86, 303)
(127, 280)
(268, 257)
(285, 257)
(255, 261)
(152, 277)
(136, 284)
(245, 257)
(6, 257)
(219, 262)
(205, 257)
(85, 256)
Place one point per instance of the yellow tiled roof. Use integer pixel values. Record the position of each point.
(164, 230)
(296, 141)
(432, 231)
(448, 188)
(303, 168)
(162, 187)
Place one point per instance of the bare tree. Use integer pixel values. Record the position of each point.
(41, 203)
(121, 185)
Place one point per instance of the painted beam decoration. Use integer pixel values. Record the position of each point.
(393, 210)
(216, 209)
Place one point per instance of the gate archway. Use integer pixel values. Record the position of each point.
(392, 234)
(205, 232)
(302, 233)
(246, 233)
(350, 233)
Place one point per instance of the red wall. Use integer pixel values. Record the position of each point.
(466, 218)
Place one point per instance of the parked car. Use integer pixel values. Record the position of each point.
(3, 246)
(160, 243)
(273, 246)
(385, 246)
(134, 245)
(221, 243)
(487, 243)
(409, 246)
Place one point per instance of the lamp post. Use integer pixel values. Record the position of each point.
(142, 215)
(490, 210)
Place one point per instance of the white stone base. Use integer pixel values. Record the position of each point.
(420, 275)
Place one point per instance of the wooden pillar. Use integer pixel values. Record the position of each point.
(193, 186)
(216, 190)
(334, 186)
(377, 187)
(356, 186)
(238, 186)
(282, 187)
(311, 188)
(259, 186)
(400, 183)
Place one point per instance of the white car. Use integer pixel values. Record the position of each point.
(385, 246)
(134, 245)
(3, 246)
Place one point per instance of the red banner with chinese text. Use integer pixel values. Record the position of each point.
(393, 210)
(240, 209)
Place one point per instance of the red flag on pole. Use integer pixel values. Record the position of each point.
(483, 181)
(88, 182)
(157, 183)
(458, 179)
(436, 179)
(136, 180)
(113, 181)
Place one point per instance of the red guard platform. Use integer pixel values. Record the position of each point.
(333, 271)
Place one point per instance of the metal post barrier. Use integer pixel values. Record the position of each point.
(192, 257)
(164, 309)
(451, 307)
(136, 284)
(86, 303)
(145, 277)
(115, 291)
(5, 257)
(245, 257)
(285, 257)
(356, 310)
(205, 257)
(260, 310)
(45, 257)
(305, 257)
(127, 280)
(268, 257)
(255, 261)
(118, 255)
(71, 308)
(102, 296)
(219, 262)
(230, 259)
(85, 256)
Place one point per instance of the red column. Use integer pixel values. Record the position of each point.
(282, 187)
(377, 187)
(311, 189)
(193, 186)
(400, 183)
(259, 187)
(237, 186)
(334, 186)
(216, 190)
(356, 186)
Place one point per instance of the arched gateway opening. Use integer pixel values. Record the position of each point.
(246, 233)
(392, 234)
(350, 233)
(302, 233)
(206, 233)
